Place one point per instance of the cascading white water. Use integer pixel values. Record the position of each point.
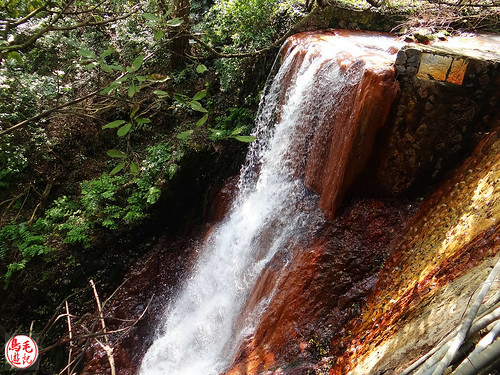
(200, 333)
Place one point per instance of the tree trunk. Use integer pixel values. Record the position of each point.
(180, 38)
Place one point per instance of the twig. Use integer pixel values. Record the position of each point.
(70, 334)
(107, 348)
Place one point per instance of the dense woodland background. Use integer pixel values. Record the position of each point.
(118, 119)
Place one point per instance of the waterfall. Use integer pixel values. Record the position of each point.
(203, 326)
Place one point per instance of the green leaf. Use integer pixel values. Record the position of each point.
(86, 53)
(106, 53)
(132, 90)
(175, 22)
(106, 68)
(237, 131)
(134, 111)
(140, 78)
(159, 34)
(113, 124)
(202, 120)
(197, 106)
(136, 64)
(113, 85)
(91, 65)
(106, 90)
(116, 154)
(15, 56)
(201, 69)
(160, 93)
(118, 67)
(200, 95)
(118, 168)
(184, 135)
(124, 129)
(150, 17)
(180, 98)
(134, 168)
(245, 138)
(142, 120)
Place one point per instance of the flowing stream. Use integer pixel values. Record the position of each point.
(203, 327)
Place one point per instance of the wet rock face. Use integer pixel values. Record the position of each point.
(446, 101)
(321, 289)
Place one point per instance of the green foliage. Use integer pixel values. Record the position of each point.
(111, 202)
(235, 125)
(13, 160)
(27, 242)
(247, 25)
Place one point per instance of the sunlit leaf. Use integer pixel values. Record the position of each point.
(106, 90)
(184, 135)
(142, 120)
(160, 93)
(197, 106)
(175, 22)
(91, 65)
(118, 67)
(245, 138)
(138, 62)
(106, 53)
(159, 34)
(116, 154)
(237, 131)
(150, 17)
(124, 129)
(118, 168)
(134, 110)
(106, 68)
(200, 95)
(15, 56)
(132, 90)
(86, 53)
(134, 168)
(201, 69)
(202, 120)
(114, 124)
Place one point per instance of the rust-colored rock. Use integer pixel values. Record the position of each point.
(456, 229)
(321, 288)
(345, 122)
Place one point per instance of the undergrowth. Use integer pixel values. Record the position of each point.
(109, 202)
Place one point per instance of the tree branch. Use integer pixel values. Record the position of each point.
(277, 43)
(39, 34)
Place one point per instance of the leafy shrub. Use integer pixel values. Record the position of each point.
(29, 241)
(13, 160)
(108, 201)
(246, 25)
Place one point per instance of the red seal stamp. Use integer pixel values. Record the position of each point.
(21, 351)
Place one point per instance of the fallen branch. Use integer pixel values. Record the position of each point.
(483, 359)
(466, 325)
(489, 316)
